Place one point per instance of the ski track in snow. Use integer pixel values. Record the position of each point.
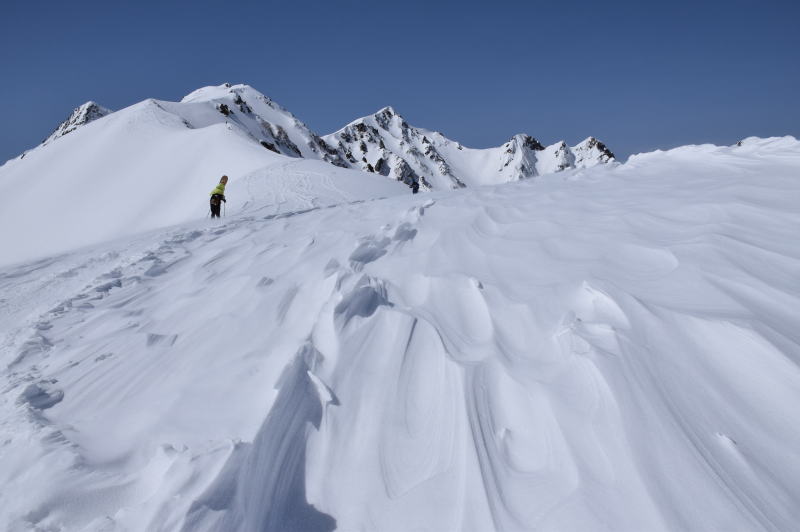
(597, 350)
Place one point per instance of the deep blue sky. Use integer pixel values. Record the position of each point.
(638, 75)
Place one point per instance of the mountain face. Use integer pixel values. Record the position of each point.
(386, 144)
(263, 120)
(88, 112)
(383, 143)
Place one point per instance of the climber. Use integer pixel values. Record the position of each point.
(218, 196)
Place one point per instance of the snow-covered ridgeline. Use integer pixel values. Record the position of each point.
(149, 165)
(383, 143)
(386, 144)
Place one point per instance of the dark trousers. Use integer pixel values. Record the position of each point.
(215, 204)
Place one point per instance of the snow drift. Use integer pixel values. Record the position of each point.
(612, 348)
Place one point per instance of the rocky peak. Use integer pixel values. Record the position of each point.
(531, 143)
(388, 116)
(591, 152)
(522, 140)
(388, 111)
(86, 113)
(593, 142)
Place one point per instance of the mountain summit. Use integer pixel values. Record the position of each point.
(88, 112)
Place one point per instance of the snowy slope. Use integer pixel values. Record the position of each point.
(386, 144)
(612, 348)
(151, 165)
(102, 175)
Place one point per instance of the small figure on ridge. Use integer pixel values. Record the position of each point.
(218, 196)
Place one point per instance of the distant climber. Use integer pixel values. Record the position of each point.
(415, 187)
(218, 196)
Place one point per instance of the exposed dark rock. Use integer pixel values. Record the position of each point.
(269, 146)
(242, 104)
(331, 155)
(403, 172)
(86, 113)
(384, 117)
(283, 140)
(532, 144)
(602, 148)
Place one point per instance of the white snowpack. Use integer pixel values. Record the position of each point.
(154, 164)
(612, 348)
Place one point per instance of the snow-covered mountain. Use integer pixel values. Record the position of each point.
(386, 144)
(605, 348)
(149, 164)
(383, 143)
(152, 164)
(88, 112)
(266, 122)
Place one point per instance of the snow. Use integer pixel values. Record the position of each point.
(409, 154)
(609, 348)
(144, 167)
(88, 112)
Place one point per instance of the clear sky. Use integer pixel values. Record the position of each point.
(639, 75)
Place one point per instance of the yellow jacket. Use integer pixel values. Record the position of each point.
(219, 189)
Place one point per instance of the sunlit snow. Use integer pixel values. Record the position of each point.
(611, 348)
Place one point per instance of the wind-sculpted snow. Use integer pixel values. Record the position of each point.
(607, 349)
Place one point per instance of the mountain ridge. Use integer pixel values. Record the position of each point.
(382, 143)
(386, 143)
